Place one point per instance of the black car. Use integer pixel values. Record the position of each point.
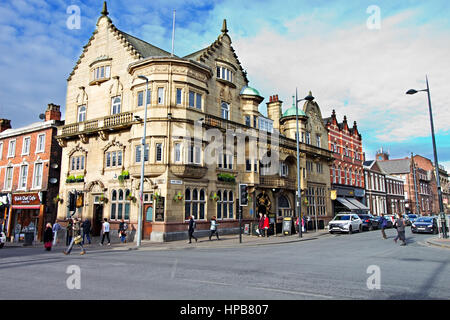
(425, 224)
(389, 223)
(369, 222)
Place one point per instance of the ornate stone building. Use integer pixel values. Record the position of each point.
(188, 99)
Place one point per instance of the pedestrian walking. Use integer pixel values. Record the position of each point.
(56, 228)
(69, 232)
(105, 231)
(192, 226)
(123, 226)
(77, 238)
(400, 230)
(266, 225)
(261, 225)
(213, 228)
(86, 225)
(383, 225)
(48, 237)
(305, 224)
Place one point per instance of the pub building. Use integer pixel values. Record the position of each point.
(117, 78)
(29, 175)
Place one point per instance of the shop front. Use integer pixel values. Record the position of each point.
(349, 199)
(26, 217)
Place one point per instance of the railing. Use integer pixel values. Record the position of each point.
(277, 182)
(91, 125)
(70, 129)
(116, 120)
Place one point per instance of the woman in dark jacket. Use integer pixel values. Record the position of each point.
(48, 237)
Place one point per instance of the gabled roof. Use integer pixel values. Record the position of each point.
(139, 48)
(203, 54)
(395, 166)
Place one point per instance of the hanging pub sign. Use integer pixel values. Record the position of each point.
(26, 199)
(159, 209)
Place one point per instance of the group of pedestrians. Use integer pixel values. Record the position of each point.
(263, 225)
(399, 223)
(212, 229)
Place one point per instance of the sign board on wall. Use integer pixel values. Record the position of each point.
(26, 199)
(159, 209)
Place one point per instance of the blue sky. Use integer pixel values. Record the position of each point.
(322, 46)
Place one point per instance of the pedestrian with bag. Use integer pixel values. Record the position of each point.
(56, 227)
(266, 225)
(86, 225)
(77, 238)
(48, 237)
(261, 225)
(105, 231)
(213, 228)
(123, 226)
(191, 230)
(383, 225)
(400, 230)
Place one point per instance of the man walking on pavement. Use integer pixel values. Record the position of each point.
(105, 231)
(86, 225)
(192, 229)
(383, 224)
(400, 230)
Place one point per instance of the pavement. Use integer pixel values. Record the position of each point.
(439, 242)
(226, 241)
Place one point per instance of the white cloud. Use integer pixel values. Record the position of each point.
(371, 70)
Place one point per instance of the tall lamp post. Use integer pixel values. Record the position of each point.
(141, 209)
(441, 205)
(299, 212)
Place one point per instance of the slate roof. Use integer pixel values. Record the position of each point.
(145, 49)
(395, 166)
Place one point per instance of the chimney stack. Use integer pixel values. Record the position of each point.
(5, 124)
(52, 112)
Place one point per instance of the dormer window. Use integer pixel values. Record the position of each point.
(101, 73)
(224, 73)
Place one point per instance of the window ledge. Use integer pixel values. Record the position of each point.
(226, 82)
(98, 81)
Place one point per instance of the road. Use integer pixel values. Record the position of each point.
(330, 267)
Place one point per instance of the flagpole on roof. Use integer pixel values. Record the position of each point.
(173, 31)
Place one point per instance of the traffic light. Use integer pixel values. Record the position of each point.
(243, 195)
(72, 201)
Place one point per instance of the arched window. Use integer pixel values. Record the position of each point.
(225, 111)
(195, 205)
(284, 206)
(225, 205)
(187, 204)
(120, 205)
(115, 105)
(81, 113)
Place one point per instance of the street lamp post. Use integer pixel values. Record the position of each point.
(441, 205)
(299, 212)
(141, 209)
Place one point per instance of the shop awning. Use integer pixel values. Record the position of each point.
(347, 204)
(358, 204)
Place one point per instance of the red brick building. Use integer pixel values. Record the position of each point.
(347, 172)
(29, 174)
(418, 182)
